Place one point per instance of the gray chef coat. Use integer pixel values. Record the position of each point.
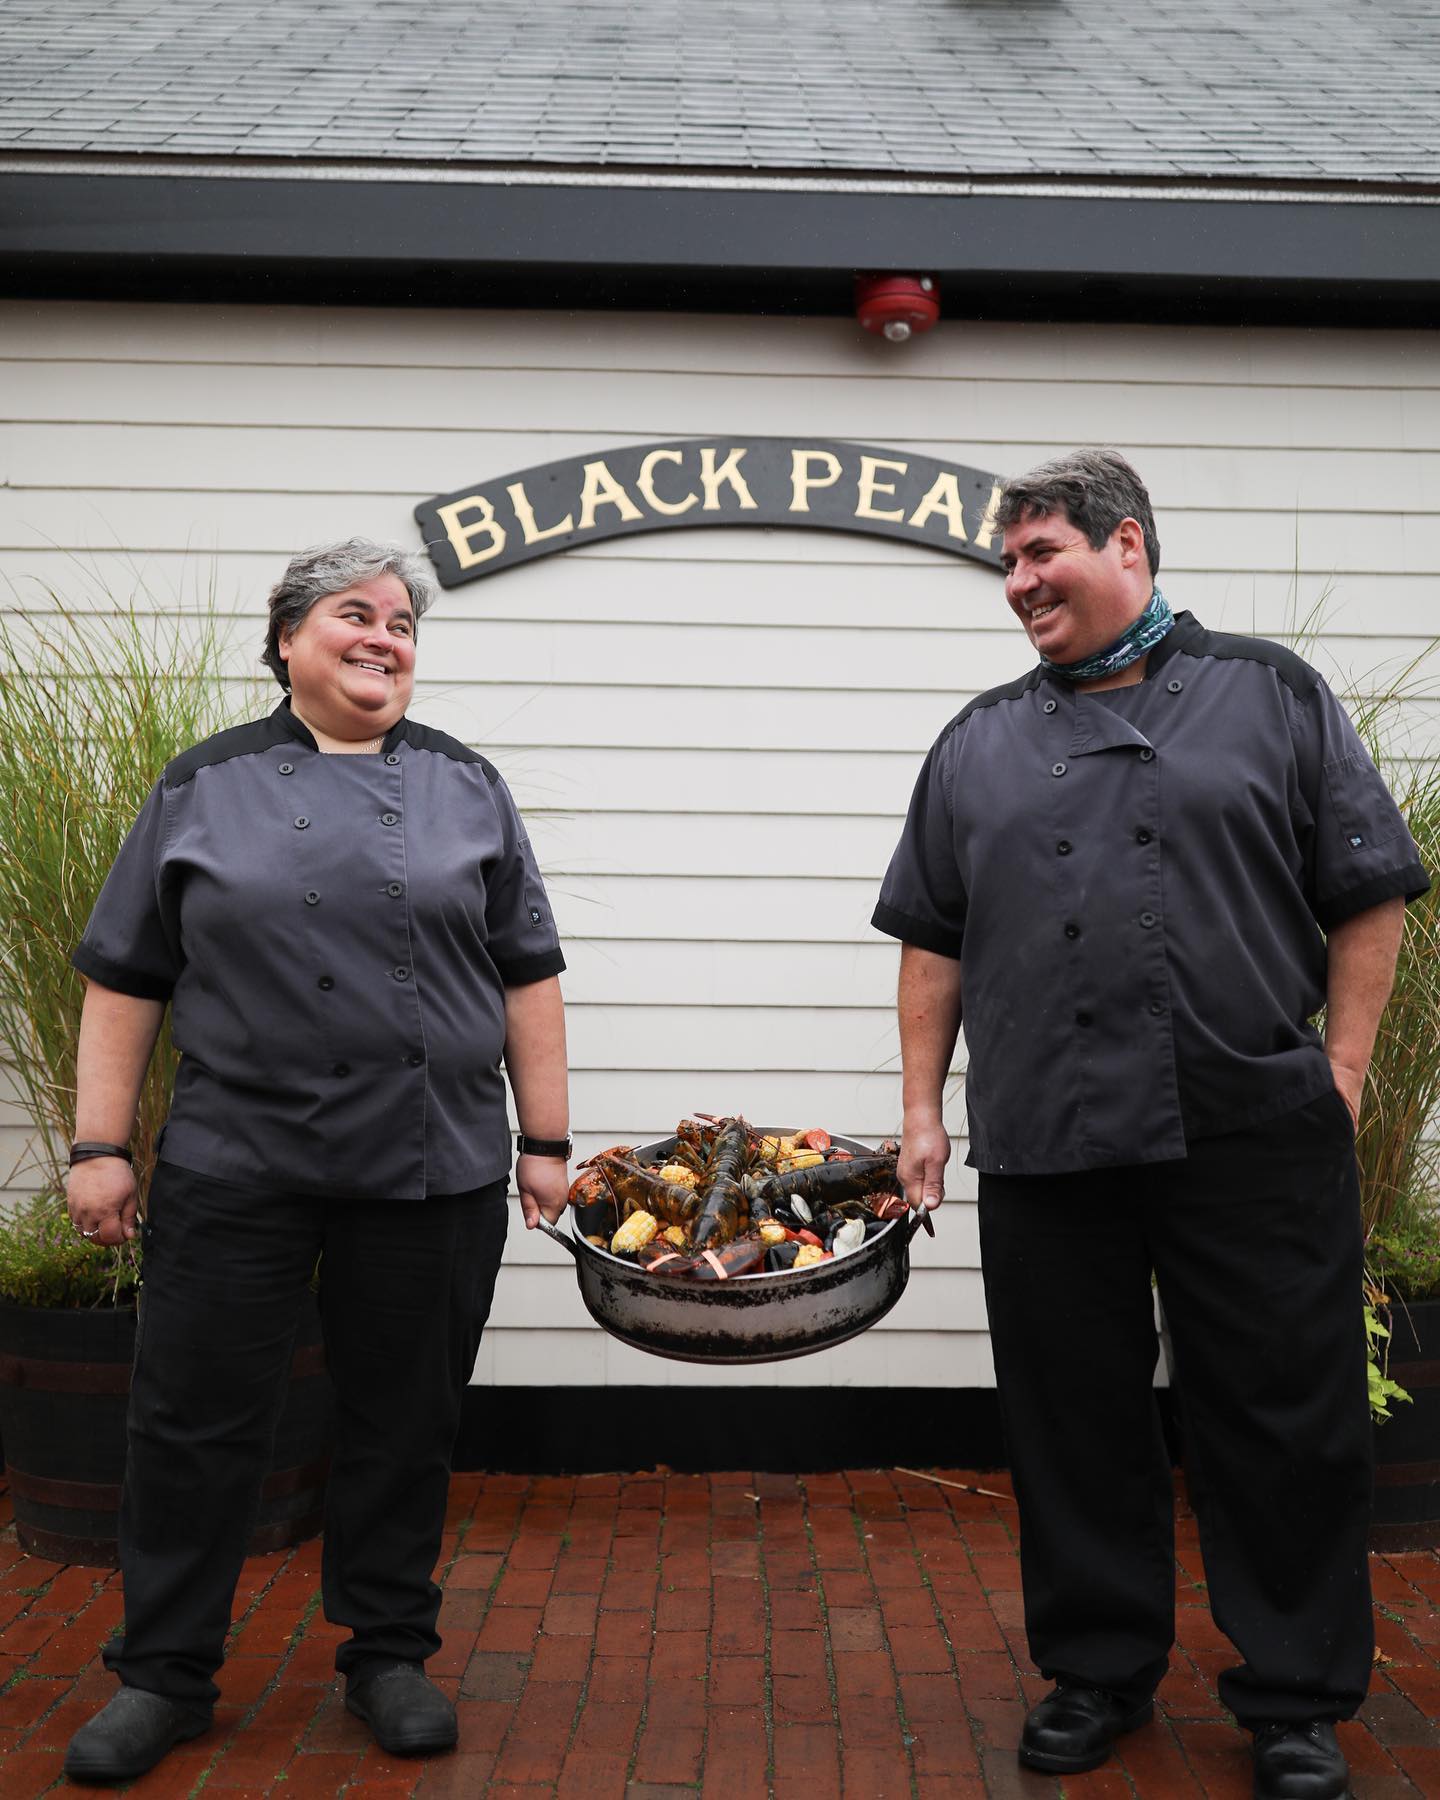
(1137, 884)
(335, 935)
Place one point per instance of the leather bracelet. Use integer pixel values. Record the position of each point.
(87, 1152)
(532, 1146)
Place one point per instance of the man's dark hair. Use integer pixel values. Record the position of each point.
(1094, 488)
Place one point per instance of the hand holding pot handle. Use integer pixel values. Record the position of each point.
(924, 1152)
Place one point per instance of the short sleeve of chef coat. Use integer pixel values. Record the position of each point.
(1362, 853)
(520, 927)
(923, 899)
(132, 942)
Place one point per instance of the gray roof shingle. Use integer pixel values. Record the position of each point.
(1335, 91)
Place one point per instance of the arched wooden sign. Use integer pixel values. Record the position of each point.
(512, 519)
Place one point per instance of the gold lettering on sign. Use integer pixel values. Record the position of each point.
(865, 507)
(602, 489)
(985, 536)
(801, 480)
(462, 536)
(728, 473)
(525, 513)
(645, 481)
(943, 498)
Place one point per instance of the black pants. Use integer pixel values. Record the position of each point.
(405, 1288)
(1254, 1240)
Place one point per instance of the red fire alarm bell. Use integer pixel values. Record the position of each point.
(897, 306)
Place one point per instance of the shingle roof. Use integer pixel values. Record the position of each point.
(1331, 91)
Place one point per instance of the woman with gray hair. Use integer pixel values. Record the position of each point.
(342, 909)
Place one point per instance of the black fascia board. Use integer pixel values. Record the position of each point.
(710, 248)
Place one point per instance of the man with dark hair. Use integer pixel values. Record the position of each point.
(1145, 865)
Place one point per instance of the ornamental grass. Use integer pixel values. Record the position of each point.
(1396, 1144)
(93, 704)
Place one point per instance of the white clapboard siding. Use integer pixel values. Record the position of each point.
(862, 1102)
(679, 344)
(19, 1174)
(713, 733)
(954, 1357)
(398, 463)
(895, 589)
(617, 972)
(902, 405)
(649, 673)
(1273, 540)
(557, 777)
(738, 907)
(735, 1038)
(705, 842)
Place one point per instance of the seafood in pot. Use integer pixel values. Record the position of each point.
(638, 1189)
(725, 1200)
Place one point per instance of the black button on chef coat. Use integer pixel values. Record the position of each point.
(1213, 825)
(338, 992)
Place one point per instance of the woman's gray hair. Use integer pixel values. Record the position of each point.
(329, 569)
(1095, 489)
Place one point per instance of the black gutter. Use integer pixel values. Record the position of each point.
(706, 248)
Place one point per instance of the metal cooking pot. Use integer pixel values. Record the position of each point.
(749, 1318)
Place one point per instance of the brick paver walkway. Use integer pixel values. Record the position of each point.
(735, 1636)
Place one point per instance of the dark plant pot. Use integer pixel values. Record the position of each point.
(1407, 1446)
(64, 1386)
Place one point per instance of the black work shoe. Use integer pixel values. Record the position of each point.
(129, 1735)
(1074, 1728)
(406, 1711)
(1299, 1762)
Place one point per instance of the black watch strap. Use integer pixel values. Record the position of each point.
(86, 1152)
(529, 1146)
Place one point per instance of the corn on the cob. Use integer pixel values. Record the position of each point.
(637, 1230)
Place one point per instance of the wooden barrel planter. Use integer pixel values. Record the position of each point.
(64, 1386)
(1407, 1446)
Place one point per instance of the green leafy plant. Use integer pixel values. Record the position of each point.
(1382, 1389)
(93, 704)
(1406, 1258)
(44, 1262)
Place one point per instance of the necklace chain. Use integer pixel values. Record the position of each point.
(356, 750)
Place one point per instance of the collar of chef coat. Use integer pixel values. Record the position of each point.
(284, 714)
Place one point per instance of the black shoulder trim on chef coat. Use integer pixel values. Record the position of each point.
(1012, 690)
(134, 982)
(920, 932)
(425, 737)
(238, 740)
(1293, 670)
(1410, 881)
(526, 969)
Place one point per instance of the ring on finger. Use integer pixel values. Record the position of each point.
(92, 1233)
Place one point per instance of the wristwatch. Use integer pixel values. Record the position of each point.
(528, 1146)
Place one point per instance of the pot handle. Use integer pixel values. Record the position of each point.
(559, 1237)
(919, 1219)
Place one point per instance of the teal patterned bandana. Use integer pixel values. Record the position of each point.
(1139, 639)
